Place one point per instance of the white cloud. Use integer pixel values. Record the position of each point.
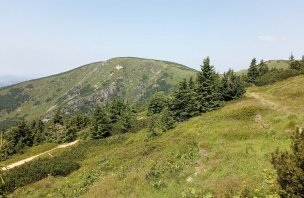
(267, 38)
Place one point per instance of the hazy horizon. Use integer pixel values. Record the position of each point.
(44, 38)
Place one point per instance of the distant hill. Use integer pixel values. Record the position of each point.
(6, 80)
(134, 79)
(279, 64)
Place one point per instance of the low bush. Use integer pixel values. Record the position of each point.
(38, 169)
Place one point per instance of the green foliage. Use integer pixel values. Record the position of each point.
(157, 103)
(58, 117)
(36, 170)
(253, 71)
(100, 125)
(290, 167)
(37, 128)
(184, 104)
(122, 117)
(275, 75)
(18, 138)
(232, 87)
(297, 65)
(13, 99)
(208, 88)
(153, 127)
(167, 121)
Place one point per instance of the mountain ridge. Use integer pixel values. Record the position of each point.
(85, 86)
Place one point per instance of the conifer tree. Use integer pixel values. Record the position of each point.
(263, 68)
(166, 120)
(38, 132)
(100, 124)
(295, 65)
(58, 118)
(208, 88)
(157, 103)
(290, 167)
(253, 71)
(232, 86)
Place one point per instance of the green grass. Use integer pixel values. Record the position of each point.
(288, 93)
(35, 150)
(223, 153)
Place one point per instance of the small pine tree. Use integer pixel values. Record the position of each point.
(58, 118)
(152, 127)
(166, 120)
(253, 71)
(263, 68)
(291, 57)
(157, 103)
(38, 130)
(208, 88)
(290, 167)
(295, 65)
(232, 86)
(100, 127)
(302, 57)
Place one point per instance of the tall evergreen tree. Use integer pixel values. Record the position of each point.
(253, 71)
(100, 124)
(208, 88)
(232, 86)
(157, 103)
(263, 68)
(38, 131)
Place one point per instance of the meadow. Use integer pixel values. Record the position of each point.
(224, 153)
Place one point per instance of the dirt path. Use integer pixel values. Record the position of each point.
(273, 105)
(35, 156)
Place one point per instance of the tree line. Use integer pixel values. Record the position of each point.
(260, 74)
(207, 92)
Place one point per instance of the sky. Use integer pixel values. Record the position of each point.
(44, 37)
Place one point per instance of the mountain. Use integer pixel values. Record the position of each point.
(8, 80)
(134, 79)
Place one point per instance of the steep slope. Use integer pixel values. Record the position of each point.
(224, 153)
(134, 79)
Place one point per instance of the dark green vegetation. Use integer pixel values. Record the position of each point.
(60, 165)
(262, 74)
(290, 167)
(133, 79)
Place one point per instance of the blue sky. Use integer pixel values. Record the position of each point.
(40, 37)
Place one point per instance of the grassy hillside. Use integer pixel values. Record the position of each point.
(134, 79)
(223, 153)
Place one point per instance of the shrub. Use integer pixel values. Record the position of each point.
(38, 169)
(290, 167)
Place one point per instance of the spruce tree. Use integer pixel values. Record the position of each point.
(157, 103)
(290, 167)
(100, 127)
(263, 68)
(38, 132)
(208, 88)
(253, 71)
(166, 120)
(232, 86)
(58, 118)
